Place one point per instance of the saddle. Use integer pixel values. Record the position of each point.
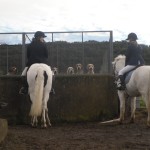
(128, 75)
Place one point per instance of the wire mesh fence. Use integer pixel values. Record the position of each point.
(66, 49)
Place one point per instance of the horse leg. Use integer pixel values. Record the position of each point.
(147, 102)
(32, 117)
(148, 119)
(34, 121)
(43, 120)
(45, 113)
(47, 118)
(122, 105)
(133, 108)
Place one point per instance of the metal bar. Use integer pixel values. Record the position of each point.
(110, 57)
(28, 37)
(23, 51)
(7, 60)
(109, 54)
(52, 37)
(56, 32)
(82, 50)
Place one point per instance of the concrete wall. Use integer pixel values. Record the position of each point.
(3, 129)
(77, 98)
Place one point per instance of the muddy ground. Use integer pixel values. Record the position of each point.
(81, 136)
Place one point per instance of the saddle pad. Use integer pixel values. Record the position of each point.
(128, 76)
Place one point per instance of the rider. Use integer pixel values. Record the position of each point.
(37, 52)
(133, 59)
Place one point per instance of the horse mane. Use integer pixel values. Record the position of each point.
(120, 57)
(119, 62)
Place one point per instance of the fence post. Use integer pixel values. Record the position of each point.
(23, 51)
(110, 57)
(83, 61)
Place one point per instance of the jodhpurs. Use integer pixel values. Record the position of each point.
(126, 69)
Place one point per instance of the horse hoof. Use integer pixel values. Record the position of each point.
(44, 126)
(34, 126)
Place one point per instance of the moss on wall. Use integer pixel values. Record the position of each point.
(77, 98)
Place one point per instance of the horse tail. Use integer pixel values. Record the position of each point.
(36, 107)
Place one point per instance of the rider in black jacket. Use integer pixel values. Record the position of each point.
(37, 52)
(133, 59)
(134, 55)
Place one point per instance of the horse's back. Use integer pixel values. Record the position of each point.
(140, 80)
(35, 67)
(143, 68)
(142, 72)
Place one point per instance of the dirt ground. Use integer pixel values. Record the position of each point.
(81, 136)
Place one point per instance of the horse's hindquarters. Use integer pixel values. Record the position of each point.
(39, 78)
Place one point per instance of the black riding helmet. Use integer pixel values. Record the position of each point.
(39, 34)
(132, 36)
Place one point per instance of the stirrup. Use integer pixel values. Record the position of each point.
(52, 92)
(23, 91)
(121, 87)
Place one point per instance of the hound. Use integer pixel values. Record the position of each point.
(90, 69)
(55, 70)
(12, 71)
(79, 69)
(70, 70)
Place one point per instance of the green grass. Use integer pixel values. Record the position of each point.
(142, 103)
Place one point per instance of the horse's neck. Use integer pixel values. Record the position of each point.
(120, 65)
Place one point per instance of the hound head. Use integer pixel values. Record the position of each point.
(13, 70)
(70, 70)
(79, 66)
(55, 70)
(90, 67)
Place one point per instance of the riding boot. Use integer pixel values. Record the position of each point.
(24, 88)
(121, 83)
(52, 92)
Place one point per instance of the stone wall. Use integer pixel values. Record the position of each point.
(78, 98)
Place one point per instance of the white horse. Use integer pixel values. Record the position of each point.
(39, 77)
(138, 85)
